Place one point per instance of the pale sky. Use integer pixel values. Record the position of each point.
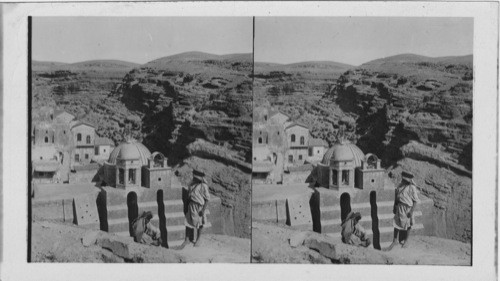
(137, 39)
(356, 40)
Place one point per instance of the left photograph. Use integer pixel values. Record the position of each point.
(141, 136)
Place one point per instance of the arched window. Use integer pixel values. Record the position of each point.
(260, 140)
(293, 138)
(79, 137)
(46, 139)
(88, 139)
(302, 140)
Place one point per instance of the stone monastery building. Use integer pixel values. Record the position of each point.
(62, 145)
(280, 146)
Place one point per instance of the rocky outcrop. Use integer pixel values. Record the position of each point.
(405, 109)
(451, 193)
(192, 107)
(228, 183)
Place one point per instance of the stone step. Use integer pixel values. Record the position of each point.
(174, 228)
(386, 233)
(121, 210)
(174, 233)
(171, 219)
(122, 224)
(175, 243)
(384, 220)
(331, 212)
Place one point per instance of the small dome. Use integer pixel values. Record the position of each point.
(130, 150)
(344, 151)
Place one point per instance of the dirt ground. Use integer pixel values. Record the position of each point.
(57, 242)
(270, 244)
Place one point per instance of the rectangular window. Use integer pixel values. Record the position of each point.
(77, 157)
(334, 177)
(290, 158)
(96, 150)
(300, 157)
(121, 176)
(345, 177)
(86, 156)
(131, 176)
(311, 151)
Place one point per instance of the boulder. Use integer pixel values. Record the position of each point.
(90, 238)
(324, 247)
(116, 244)
(298, 238)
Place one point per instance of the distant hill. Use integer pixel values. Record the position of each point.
(307, 66)
(105, 63)
(410, 64)
(202, 63)
(97, 65)
(195, 55)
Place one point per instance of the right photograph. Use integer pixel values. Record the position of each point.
(362, 140)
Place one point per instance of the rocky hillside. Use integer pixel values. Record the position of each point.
(194, 107)
(83, 89)
(414, 112)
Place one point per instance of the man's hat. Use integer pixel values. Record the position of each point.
(199, 175)
(407, 176)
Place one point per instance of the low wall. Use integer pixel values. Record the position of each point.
(84, 176)
(295, 177)
(57, 209)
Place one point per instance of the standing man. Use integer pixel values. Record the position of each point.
(198, 197)
(405, 202)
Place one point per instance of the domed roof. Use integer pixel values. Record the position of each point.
(344, 151)
(130, 150)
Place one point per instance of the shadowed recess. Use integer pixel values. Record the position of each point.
(345, 205)
(133, 210)
(375, 230)
(162, 219)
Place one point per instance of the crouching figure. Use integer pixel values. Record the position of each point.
(144, 231)
(352, 232)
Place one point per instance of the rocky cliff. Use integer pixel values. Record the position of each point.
(194, 107)
(414, 112)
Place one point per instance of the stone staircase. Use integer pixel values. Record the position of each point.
(118, 221)
(331, 222)
(330, 214)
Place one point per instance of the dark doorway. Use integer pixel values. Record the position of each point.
(162, 219)
(133, 210)
(345, 205)
(374, 214)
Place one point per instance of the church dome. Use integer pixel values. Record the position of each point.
(344, 151)
(130, 150)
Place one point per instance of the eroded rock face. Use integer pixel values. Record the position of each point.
(192, 105)
(405, 109)
(452, 195)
